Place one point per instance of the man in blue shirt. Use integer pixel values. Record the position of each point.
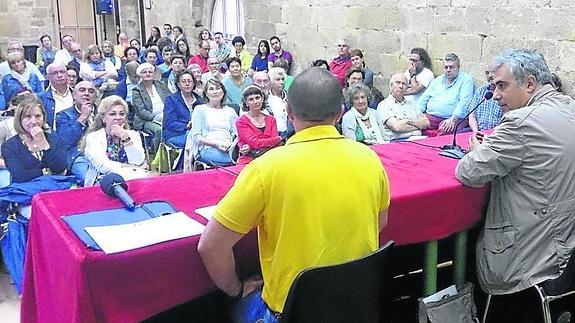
(488, 113)
(446, 99)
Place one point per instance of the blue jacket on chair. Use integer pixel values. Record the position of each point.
(177, 115)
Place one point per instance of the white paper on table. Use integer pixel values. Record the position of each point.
(207, 212)
(449, 291)
(123, 237)
(412, 138)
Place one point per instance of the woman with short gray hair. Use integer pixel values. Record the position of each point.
(360, 123)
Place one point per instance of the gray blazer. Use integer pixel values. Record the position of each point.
(529, 228)
(142, 102)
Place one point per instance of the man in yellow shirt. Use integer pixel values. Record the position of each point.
(319, 200)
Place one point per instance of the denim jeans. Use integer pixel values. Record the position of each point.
(178, 141)
(79, 169)
(252, 308)
(211, 155)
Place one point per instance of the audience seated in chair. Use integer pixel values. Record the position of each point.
(8, 131)
(110, 146)
(35, 151)
(399, 117)
(235, 83)
(445, 101)
(148, 101)
(72, 123)
(257, 132)
(213, 133)
(19, 78)
(97, 69)
(360, 123)
(178, 110)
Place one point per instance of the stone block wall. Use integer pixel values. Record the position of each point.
(387, 30)
(25, 20)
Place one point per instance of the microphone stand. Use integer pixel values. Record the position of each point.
(454, 150)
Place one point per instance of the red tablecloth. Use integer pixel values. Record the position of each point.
(64, 281)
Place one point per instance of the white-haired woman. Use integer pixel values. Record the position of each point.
(110, 146)
(360, 123)
(148, 101)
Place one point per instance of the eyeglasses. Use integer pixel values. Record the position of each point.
(214, 63)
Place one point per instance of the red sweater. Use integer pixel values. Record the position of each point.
(250, 135)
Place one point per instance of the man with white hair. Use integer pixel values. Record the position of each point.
(58, 96)
(400, 118)
(15, 46)
(342, 63)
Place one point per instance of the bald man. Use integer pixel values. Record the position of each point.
(123, 43)
(58, 96)
(400, 118)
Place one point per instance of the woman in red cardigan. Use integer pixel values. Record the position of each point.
(257, 132)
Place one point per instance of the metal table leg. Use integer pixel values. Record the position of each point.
(460, 257)
(430, 268)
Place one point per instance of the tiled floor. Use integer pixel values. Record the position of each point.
(9, 299)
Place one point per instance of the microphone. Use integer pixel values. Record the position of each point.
(114, 185)
(454, 150)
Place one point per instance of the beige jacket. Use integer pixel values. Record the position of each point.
(529, 228)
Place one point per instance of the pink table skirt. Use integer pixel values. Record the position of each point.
(66, 282)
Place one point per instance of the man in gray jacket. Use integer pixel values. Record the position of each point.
(529, 229)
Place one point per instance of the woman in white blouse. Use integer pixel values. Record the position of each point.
(213, 133)
(110, 146)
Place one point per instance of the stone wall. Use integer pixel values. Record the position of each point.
(25, 20)
(387, 30)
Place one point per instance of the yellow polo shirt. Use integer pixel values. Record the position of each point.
(315, 201)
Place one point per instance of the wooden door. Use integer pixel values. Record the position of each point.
(76, 18)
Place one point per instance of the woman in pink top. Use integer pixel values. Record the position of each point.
(257, 132)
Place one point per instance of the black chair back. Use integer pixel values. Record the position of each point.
(355, 291)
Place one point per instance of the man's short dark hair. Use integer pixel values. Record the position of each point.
(218, 33)
(168, 25)
(238, 39)
(275, 37)
(315, 95)
(129, 49)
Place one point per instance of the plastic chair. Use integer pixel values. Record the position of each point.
(551, 290)
(355, 291)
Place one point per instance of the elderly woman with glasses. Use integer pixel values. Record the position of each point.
(110, 146)
(20, 79)
(148, 101)
(178, 110)
(361, 123)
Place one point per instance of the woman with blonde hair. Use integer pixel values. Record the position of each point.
(110, 146)
(34, 151)
(96, 68)
(20, 79)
